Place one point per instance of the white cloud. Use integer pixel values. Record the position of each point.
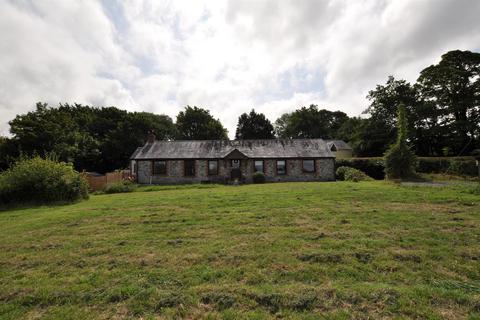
(228, 56)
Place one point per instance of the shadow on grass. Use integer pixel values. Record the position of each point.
(35, 205)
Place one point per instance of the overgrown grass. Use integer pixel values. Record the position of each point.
(287, 250)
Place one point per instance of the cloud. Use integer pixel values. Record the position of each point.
(49, 55)
(228, 56)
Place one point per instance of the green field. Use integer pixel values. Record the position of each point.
(287, 250)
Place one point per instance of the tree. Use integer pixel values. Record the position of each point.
(197, 124)
(453, 87)
(93, 139)
(353, 130)
(254, 126)
(280, 126)
(399, 159)
(45, 131)
(8, 152)
(310, 123)
(120, 141)
(384, 101)
(383, 111)
(424, 131)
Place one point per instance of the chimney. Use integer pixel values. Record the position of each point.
(151, 137)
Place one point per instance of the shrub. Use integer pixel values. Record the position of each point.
(400, 161)
(462, 167)
(433, 165)
(258, 177)
(351, 174)
(340, 173)
(375, 168)
(120, 187)
(38, 180)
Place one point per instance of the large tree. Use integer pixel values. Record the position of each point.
(384, 100)
(310, 122)
(99, 139)
(8, 152)
(353, 131)
(254, 126)
(422, 124)
(380, 129)
(195, 123)
(453, 87)
(47, 130)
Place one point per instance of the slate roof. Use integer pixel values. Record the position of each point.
(133, 156)
(339, 144)
(217, 149)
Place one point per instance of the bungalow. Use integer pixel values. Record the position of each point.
(188, 161)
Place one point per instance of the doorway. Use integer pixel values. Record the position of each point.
(235, 173)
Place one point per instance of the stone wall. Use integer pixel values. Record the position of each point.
(324, 171)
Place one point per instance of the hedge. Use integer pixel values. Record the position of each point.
(374, 167)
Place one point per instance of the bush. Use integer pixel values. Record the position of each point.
(258, 177)
(38, 180)
(400, 162)
(373, 167)
(465, 166)
(433, 165)
(120, 187)
(351, 174)
(462, 168)
(340, 173)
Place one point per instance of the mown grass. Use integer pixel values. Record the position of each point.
(287, 250)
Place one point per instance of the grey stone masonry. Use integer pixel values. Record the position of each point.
(175, 171)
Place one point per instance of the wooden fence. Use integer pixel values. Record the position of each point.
(99, 182)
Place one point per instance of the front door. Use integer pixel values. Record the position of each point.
(236, 164)
(235, 173)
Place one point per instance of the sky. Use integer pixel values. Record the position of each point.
(228, 56)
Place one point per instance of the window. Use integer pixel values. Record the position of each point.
(258, 166)
(189, 168)
(133, 168)
(281, 167)
(308, 166)
(159, 167)
(212, 167)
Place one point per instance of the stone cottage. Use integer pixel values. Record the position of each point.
(189, 161)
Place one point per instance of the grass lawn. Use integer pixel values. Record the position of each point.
(287, 250)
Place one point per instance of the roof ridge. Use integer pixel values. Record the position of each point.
(274, 148)
(229, 140)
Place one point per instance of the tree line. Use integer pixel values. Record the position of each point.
(442, 110)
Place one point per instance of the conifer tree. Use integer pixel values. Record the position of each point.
(400, 160)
